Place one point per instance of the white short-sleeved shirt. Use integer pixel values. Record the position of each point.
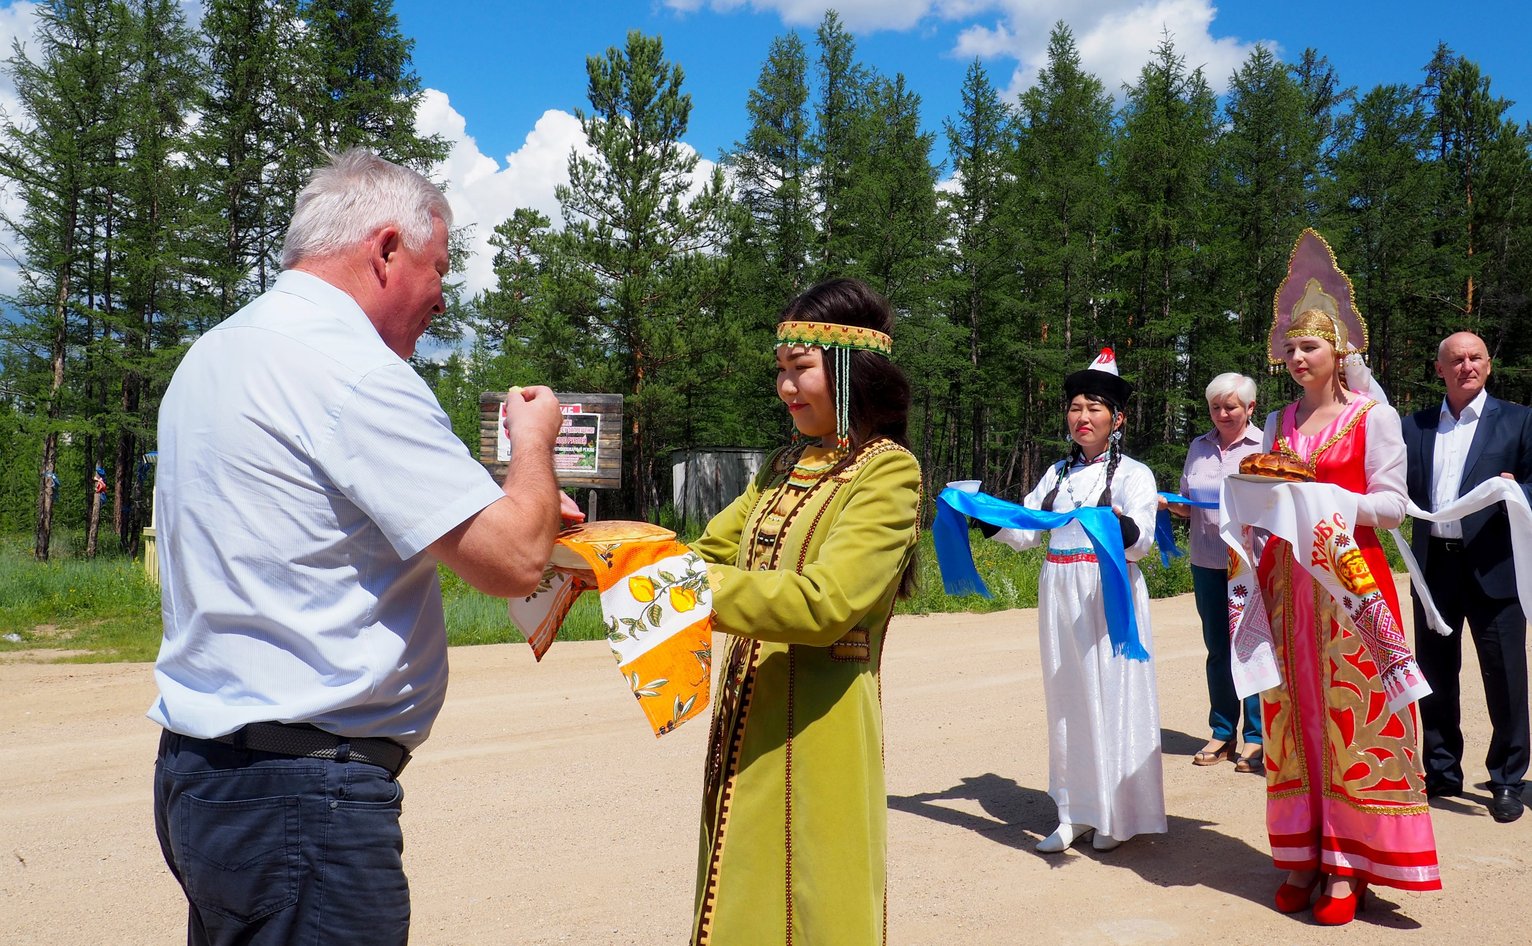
(303, 470)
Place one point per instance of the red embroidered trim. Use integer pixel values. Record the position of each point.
(1070, 557)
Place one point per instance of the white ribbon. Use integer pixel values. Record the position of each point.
(1315, 519)
(1495, 490)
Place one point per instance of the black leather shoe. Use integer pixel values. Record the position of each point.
(1443, 791)
(1506, 804)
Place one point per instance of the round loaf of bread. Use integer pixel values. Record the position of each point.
(605, 531)
(1278, 466)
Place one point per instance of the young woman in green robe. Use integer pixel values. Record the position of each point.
(805, 567)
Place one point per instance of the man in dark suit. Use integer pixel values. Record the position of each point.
(1453, 447)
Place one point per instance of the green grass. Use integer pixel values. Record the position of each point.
(106, 610)
(1011, 577)
(477, 618)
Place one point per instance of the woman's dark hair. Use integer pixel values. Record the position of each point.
(1114, 454)
(880, 393)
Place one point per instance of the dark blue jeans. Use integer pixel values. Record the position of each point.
(1211, 588)
(272, 849)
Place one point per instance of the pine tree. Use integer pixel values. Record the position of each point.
(635, 234)
(250, 152)
(154, 246)
(841, 83)
(1383, 192)
(772, 172)
(1464, 122)
(771, 249)
(888, 221)
(1266, 162)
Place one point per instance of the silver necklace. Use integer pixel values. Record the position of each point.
(1069, 484)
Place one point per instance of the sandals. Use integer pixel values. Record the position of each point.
(1252, 761)
(1224, 753)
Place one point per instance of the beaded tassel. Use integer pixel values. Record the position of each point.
(842, 397)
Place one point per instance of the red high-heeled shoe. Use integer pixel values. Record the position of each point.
(1338, 911)
(1292, 898)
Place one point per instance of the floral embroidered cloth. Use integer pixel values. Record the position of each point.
(657, 608)
(1313, 517)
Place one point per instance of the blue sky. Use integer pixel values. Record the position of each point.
(503, 77)
(503, 69)
(506, 78)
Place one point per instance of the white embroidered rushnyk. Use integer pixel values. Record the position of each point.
(1314, 518)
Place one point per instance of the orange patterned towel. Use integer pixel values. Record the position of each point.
(658, 612)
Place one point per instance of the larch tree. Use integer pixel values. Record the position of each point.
(1163, 169)
(981, 262)
(1061, 203)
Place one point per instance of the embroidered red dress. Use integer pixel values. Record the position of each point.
(1344, 786)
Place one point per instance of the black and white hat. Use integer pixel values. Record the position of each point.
(1101, 379)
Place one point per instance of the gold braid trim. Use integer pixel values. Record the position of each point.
(1281, 446)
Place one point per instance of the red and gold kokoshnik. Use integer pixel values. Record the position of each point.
(832, 335)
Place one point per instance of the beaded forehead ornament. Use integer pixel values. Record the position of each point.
(837, 342)
(832, 335)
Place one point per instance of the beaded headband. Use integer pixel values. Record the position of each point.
(838, 342)
(832, 335)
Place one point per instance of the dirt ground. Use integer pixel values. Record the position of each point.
(542, 811)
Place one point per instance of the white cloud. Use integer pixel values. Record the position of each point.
(1126, 38)
(1115, 37)
(855, 14)
(986, 42)
(17, 23)
(483, 193)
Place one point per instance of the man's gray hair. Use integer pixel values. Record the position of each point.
(354, 195)
(1232, 382)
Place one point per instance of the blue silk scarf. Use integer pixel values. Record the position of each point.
(955, 556)
(1164, 534)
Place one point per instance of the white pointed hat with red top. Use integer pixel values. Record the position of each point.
(1102, 379)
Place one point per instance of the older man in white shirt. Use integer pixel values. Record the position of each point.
(1451, 448)
(309, 483)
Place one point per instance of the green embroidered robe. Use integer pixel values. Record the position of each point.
(794, 824)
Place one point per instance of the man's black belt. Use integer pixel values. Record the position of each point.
(1447, 545)
(304, 741)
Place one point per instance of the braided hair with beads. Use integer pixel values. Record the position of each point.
(1101, 384)
(1077, 455)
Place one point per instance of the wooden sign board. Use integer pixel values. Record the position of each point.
(588, 451)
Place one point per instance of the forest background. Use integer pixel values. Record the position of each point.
(157, 167)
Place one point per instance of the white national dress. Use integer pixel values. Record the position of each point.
(1103, 710)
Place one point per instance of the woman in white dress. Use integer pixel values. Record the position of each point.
(1103, 712)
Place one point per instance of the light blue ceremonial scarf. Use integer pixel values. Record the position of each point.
(959, 577)
(1164, 535)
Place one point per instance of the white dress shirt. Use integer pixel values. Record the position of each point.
(304, 469)
(1454, 435)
